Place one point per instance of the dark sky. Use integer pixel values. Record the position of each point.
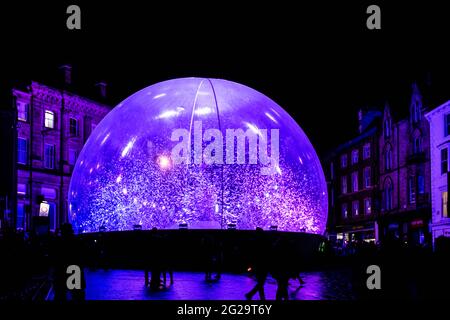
(318, 60)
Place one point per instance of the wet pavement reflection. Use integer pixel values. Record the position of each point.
(129, 285)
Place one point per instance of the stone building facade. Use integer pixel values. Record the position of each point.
(439, 120)
(53, 125)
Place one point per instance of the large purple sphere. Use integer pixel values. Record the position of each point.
(129, 172)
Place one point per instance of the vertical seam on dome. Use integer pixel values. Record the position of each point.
(192, 120)
(221, 167)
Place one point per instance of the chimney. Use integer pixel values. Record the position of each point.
(67, 73)
(102, 87)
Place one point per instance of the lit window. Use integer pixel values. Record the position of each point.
(354, 156)
(367, 206)
(49, 121)
(444, 204)
(355, 181)
(366, 151)
(72, 156)
(412, 190)
(344, 210)
(344, 184)
(49, 156)
(22, 151)
(22, 111)
(355, 206)
(73, 127)
(367, 177)
(344, 161)
(444, 160)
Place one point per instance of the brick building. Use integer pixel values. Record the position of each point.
(52, 127)
(353, 185)
(405, 173)
(384, 191)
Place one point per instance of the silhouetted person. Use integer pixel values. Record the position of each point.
(282, 268)
(166, 260)
(259, 264)
(155, 263)
(208, 252)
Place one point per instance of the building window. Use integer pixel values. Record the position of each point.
(444, 160)
(387, 192)
(344, 161)
(331, 170)
(344, 210)
(49, 156)
(355, 208)
(416, 112)
(367, 206)
(21, 189)
(52, 216)
(388, 159)
(20, 222)
(367, 177)
(73, 127)
(420, 184)
(366, 151)
(355, 181)
(444, 204)
(417, 146)
(22, 111)
(387, 128)
(49, 120)
(72, 156)
(344, 184)
(354, 156)
(447, 124)
(412, 190)
(22, 151)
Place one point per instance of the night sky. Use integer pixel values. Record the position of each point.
(318, 61)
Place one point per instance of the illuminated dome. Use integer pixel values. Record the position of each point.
(160, 159)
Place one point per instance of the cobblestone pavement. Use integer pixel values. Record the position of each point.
(129, 285)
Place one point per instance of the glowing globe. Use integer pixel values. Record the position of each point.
(208, 153)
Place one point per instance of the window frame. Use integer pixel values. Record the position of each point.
(444, 162)
(46, 156)
(344, 161)
(366, 151)
(19, 150)
(367, 177)
(77, 127)
(355, 181)
(355, 156)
